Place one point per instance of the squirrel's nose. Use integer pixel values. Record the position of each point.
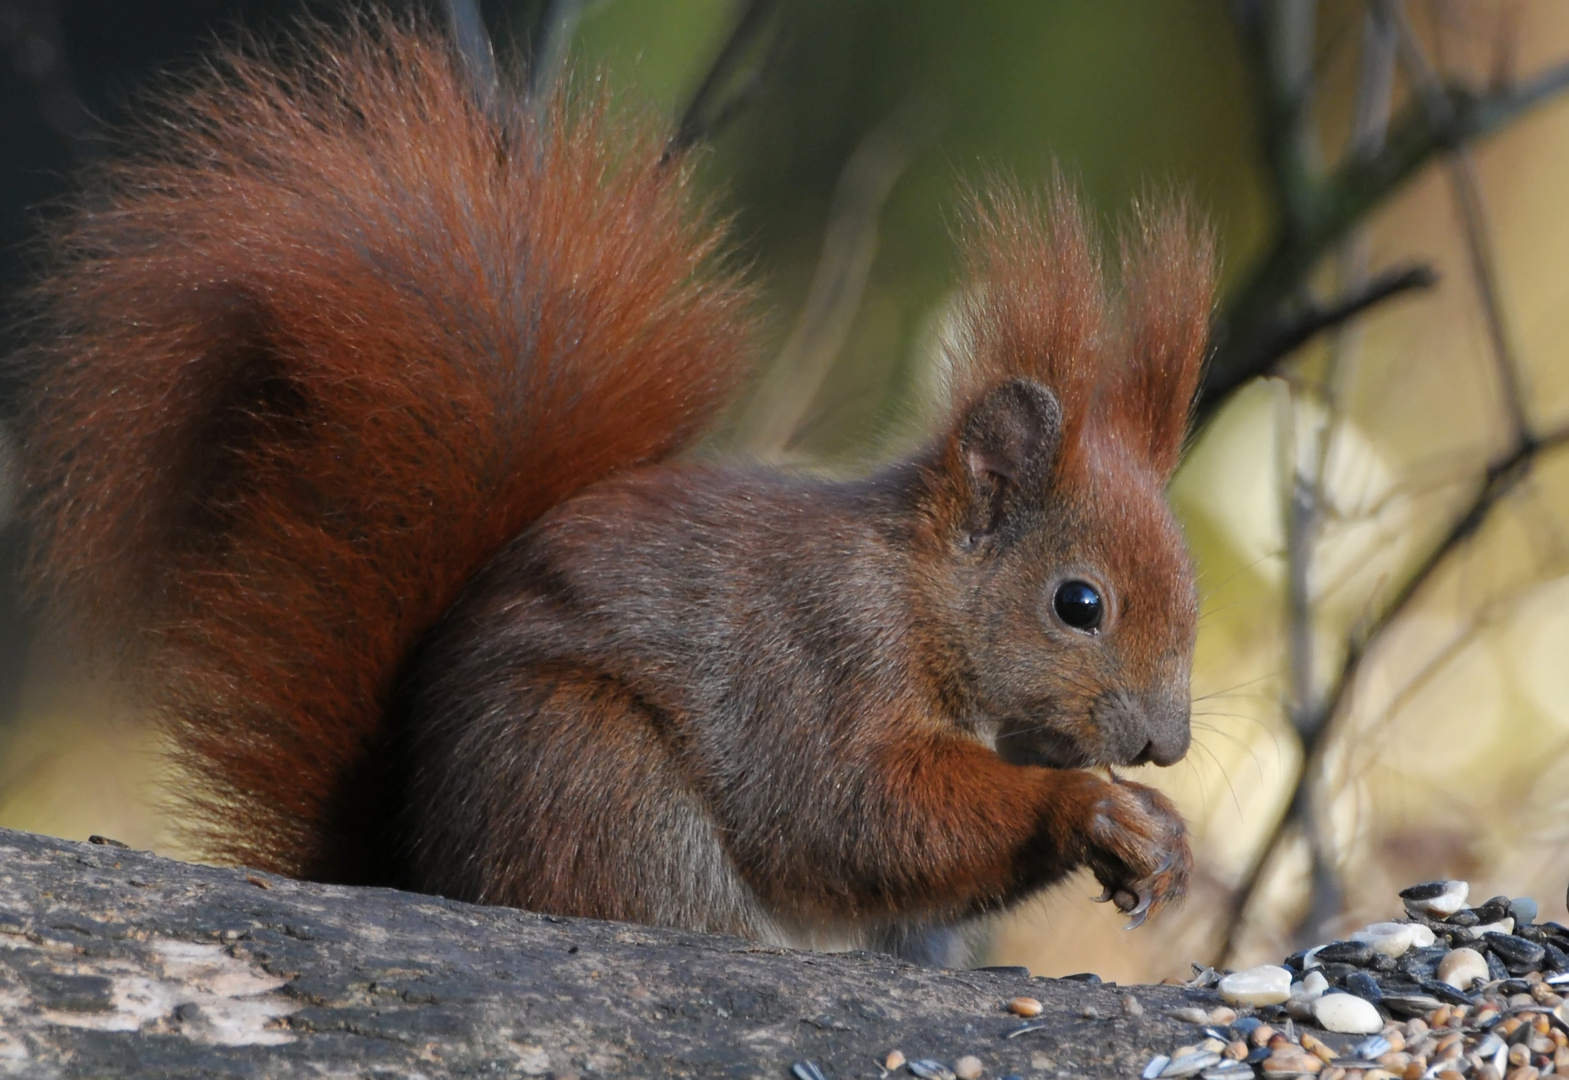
(1170, 734)
(1142, 728)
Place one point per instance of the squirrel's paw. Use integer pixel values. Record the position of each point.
(1138, 850)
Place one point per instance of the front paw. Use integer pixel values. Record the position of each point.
(1138, 849)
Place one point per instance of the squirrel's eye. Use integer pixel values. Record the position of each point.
(1079, 605)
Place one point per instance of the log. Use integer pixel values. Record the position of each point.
(116, 963)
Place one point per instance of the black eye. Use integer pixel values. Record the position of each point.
(1079, 605)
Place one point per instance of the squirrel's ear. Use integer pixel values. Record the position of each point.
(1168, 274)
(1006, 444)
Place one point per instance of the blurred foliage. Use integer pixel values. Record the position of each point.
(871, 114)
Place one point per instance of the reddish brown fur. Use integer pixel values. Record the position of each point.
(854, 710)
(394, 593)
(1038, 308)
(403, 331)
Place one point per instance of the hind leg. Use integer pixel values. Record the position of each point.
(563, 796)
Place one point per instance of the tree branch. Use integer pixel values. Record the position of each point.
(729, 83)
(1290, 333)
(785, 395)
(1322, 214)
(1473, 214)
(116, 963)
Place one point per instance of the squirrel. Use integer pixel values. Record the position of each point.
(361, 424)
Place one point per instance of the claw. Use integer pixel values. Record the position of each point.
(1139, 912)
(1106, 895)
(1165, 864)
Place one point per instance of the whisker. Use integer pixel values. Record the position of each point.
(1251, 749)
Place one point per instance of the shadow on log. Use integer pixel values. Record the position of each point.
(119, 963)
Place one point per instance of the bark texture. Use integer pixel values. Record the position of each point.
(119, 963)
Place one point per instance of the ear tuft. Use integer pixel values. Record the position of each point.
(1122, 366)
(1007, 442)
(1168, 286)
(1036, 304)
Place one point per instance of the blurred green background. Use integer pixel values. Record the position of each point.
(1450, 757)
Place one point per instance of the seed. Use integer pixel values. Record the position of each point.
(968, 1067)
(1025, 1006)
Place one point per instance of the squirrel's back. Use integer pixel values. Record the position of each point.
(309, 357)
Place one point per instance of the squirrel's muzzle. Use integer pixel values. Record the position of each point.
(1139, 729)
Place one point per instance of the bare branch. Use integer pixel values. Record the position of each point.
(1473, 215)
(849, 248)
(1344, 198)
(730, 81)
(1309, 498)
(1312, 320)
(1279, 38)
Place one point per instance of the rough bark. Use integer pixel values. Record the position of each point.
(119, 963)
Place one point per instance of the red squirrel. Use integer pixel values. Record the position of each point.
(361, 423)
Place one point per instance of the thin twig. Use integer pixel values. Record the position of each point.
(1387, 28)
(730, 82)
(1280, 34)
(1313, 320)
(1506, 45)
(1473, 214)
(1423, 677)
(1309, 496)
(1344, 198)
(787, 392)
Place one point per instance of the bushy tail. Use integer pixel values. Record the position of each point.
(310, 357)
